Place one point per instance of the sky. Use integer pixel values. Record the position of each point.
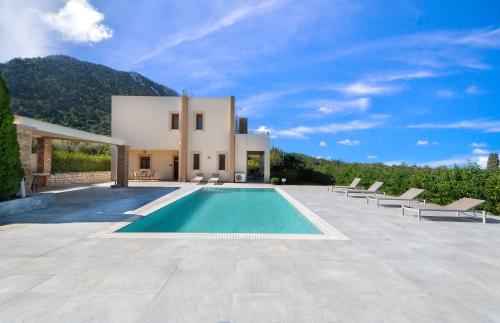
(393, 82)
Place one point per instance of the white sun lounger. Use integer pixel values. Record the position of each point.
(462, 205)
(353, 185)
(407, 197)
(214, 179)
(371, 190)
(198, 179)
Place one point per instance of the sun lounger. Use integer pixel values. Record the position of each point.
(353, 185)
(214, 179)
(198, 178)
(407, 196)
(462, 205)
(371, 190)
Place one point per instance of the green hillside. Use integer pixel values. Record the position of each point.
(70, 92)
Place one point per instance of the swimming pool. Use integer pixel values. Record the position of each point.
(227, 210)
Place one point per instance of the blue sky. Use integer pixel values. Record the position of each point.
(369, 81)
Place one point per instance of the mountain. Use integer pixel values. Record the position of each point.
(64, 90)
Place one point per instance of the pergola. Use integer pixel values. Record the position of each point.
(45, 132)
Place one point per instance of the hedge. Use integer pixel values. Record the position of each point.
(66, 161)
(442, 185)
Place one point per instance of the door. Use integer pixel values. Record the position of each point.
(176, 168)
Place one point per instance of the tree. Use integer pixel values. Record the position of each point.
(492, 161)
(11, 171)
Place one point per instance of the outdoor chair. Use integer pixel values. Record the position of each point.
(214, 179)
(353, 185)
(407, 197)
(462, 205)
(198, 178)
(371, 190)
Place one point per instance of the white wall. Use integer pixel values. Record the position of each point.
(252, 142)
(162, 161)
(214, 139)
(144, 121)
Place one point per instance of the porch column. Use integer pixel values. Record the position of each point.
(122, 166)
(44, 152)
(24, 137)
(183, 147)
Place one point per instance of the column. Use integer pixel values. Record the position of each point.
(122, 166)
(24, 138)
(183, 147)
(44, 152)
(231, 140)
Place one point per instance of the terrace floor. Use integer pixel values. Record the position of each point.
(392, 268)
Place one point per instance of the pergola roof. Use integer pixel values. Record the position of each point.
(45, 129)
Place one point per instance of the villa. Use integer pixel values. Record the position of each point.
(180, 137)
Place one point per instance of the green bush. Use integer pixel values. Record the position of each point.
(275, 181)
(66, 161)
(11, 171)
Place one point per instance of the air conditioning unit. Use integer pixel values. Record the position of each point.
(240, 177)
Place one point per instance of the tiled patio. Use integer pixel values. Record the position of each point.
(392, 268)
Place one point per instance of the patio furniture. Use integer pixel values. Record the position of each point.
(462, 205)
(214, 179)
(371, 190)
(407, 196)
(151, 174)
(353, 185)
(34, 182)
(198, 178)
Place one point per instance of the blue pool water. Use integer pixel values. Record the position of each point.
(226, 210)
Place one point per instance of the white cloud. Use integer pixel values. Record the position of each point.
(322, 143)
(338, 106)
(457, 160)
(422, 142)
(362, 88)
(482, 161)
(372, 156)
(22, 33)
(200, 31)
(435, 143)
(478, 144)
(402, 76)
(253, 104)
(394, 162)
(349, 142)
(479, 151)
(262, 129)
(301, 132)
(380, 116)
(472, 90)
(484, 125)
(78, 21)
(445, 93)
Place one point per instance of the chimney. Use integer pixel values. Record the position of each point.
(243, 125)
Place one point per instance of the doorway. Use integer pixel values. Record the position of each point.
(255, 166)
(176, 168)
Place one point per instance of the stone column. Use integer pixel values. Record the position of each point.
(44, 153)
(24, 138)
(183, 147)
(122, 166)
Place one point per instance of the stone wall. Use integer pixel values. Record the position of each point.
(28, 204)
(80, 178)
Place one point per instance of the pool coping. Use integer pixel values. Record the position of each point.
(328, 232)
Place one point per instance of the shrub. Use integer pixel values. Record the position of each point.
(275, 181)
(11, 171)
(66, 161)
(442, 185)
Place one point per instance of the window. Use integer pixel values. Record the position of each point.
(196, 161)
(174, 122)
(145, 162)
(222, 161)
(199, 121)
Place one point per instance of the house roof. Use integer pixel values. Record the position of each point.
(45, 129)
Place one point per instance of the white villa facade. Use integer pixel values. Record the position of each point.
(180, 137)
